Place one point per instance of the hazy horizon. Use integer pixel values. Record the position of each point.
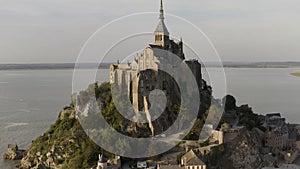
(61, 63)
(241, 30)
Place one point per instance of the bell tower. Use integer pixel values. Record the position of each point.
(161, 34)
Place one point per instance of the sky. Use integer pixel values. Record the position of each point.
(54, 31)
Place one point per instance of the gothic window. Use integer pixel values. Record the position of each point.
(147, 62)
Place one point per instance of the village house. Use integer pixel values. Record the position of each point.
(189, 160)
(276, 135)
(108, 164)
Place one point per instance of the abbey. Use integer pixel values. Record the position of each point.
(143, 74)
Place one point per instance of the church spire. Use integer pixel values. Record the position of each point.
(161, 16)
(161, 27)
(161, 32)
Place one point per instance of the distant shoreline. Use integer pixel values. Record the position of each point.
(296, 74)
(49, 66)
(53, 66)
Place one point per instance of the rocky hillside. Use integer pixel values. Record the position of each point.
(244, 150)
(64, 145)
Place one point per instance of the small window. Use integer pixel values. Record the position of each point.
(164, 85)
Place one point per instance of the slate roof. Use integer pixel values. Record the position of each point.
(162, 28)
(102, 159)
(171, 167)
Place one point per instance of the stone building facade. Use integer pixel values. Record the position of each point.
(190, 160)
(277, 134)
(108, 164)
(144, 75)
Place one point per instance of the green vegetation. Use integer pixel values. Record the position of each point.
(109, 111)
(67, 141)
(296, 74)
(70, 147)
(66, 137)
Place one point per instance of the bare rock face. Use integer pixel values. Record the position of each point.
(67, 112)
(61, 146)
(37, 159)
(13, 153)
(243, 151)
(25, 163)
(36, 163)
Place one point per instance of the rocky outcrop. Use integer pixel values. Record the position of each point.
(67, 113)
(64, 145)
(244, 150)
(40, 160)
(13, 153)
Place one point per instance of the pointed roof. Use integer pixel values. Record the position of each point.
(161, 27)
(191, 158)
(102, 158)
